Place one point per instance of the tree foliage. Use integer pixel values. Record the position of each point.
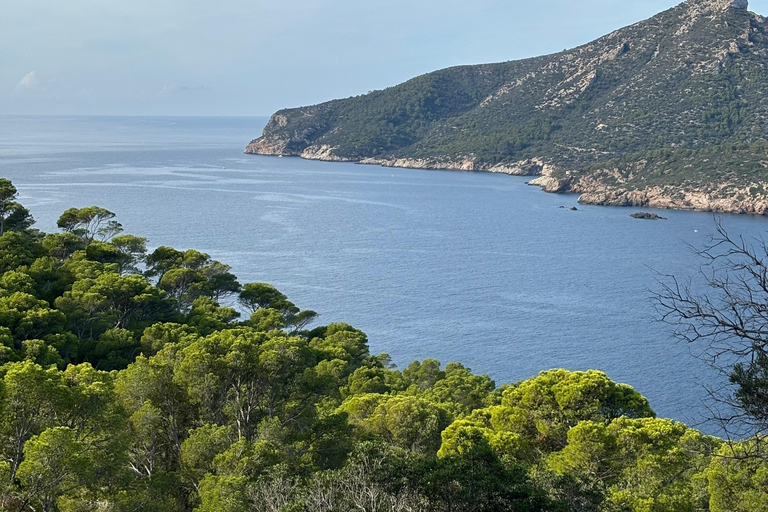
(130, 382)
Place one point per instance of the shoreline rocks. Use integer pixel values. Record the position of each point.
(550, 179)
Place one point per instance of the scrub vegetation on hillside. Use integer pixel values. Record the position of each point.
(676, 101)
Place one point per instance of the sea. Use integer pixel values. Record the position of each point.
(478, 268)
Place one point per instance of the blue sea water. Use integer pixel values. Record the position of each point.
(471, 267)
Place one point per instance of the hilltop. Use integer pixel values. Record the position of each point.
(668, 112)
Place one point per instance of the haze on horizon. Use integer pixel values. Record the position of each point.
(251, 58)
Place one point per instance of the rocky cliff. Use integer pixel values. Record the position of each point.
(669, 112)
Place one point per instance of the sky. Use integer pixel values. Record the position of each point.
(251, 58)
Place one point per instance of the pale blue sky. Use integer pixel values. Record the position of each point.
(236, 57)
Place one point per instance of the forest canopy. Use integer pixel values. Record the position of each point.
(137, 380)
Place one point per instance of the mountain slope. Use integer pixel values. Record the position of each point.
(669, 112)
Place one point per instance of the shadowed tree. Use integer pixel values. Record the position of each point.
(13, 216)
(189, 275)
(31, 401)
(255, 296)
(15, 250)
(54, 465)
(133, 246)
(266, 304)
(90, 222)
(126, 251)
(161, 260)
(62, 245)
(221, 282)
(110, 301)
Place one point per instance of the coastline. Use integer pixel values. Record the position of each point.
(720, 198)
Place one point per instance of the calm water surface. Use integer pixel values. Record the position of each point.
(473, 267)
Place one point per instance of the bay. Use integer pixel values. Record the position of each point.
(470, 267)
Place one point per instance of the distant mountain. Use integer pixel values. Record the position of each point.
(668, 112)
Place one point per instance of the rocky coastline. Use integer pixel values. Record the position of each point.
(603, 120)
(724, 198)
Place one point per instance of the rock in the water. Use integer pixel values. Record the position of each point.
(646, 215)
(573, 208)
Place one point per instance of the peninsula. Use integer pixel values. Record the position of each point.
(670, 112)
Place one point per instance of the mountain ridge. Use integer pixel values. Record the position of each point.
(668, 112)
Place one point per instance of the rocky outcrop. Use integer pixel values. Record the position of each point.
(647, 216)
(723, 198)
(459, 163)
(322, 152)
(272, 146)
(698, 6)
(528, 167)
(697, 200)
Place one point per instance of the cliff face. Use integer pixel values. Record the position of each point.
(724, 197)
(671, 111)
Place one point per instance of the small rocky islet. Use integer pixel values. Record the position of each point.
(647, 216)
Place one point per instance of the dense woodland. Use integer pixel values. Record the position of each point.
(155, 381)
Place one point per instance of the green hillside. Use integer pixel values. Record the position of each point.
(676, 102)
